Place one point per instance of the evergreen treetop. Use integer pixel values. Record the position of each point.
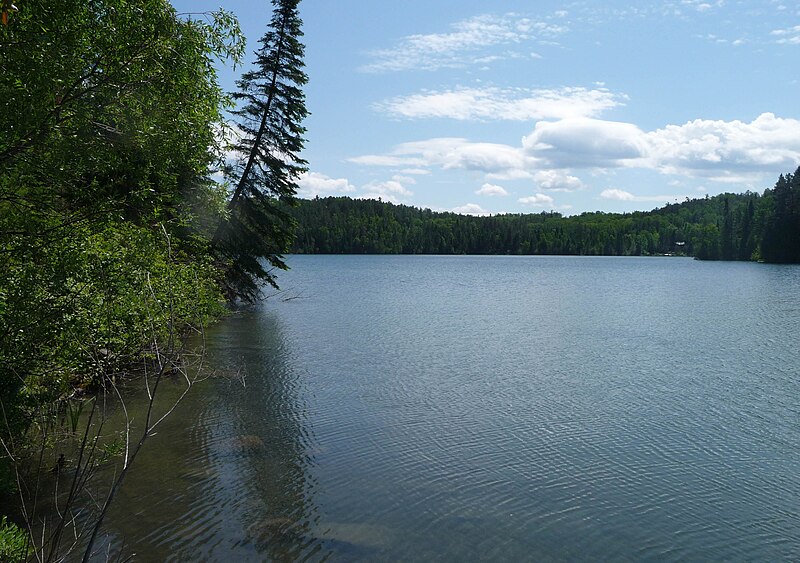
(270, 114)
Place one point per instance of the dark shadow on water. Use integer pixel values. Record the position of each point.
(227, 478)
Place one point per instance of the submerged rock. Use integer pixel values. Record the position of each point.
(355, 534)
(279, 536)
(248, 442)
(285, 538)
(268, 528)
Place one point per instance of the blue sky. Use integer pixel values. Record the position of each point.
(511, 106)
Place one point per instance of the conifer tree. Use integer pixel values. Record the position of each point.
(271, 108)
(781, 240)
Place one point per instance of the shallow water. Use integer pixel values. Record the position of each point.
(500, 408)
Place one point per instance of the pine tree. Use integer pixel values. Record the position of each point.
(747, 245)
(782, 225)
(271, 107)
(727, 243)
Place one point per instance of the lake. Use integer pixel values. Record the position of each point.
(456, 408)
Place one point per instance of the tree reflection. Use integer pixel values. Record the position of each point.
(229, 477)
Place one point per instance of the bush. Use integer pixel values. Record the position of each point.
(13, 542)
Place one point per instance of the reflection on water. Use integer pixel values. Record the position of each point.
(488, 408)
(227, 477)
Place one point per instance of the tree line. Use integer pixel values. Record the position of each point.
(749, 226)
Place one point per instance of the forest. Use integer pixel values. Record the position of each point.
(747, 226)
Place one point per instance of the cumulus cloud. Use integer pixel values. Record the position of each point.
(390, 190)
(312, 184)
(512, 104)
(537, 200)
(491, 190)
(466, 43)
(617, 195)
(719, 150)
(722, 151)
(557, 181)
(485, 157)
(471, 209)
(583, 142)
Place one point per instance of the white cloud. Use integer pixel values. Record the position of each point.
(621, 195)
(465, 44)
(714, 39)
(722, 151)
(510, 174)
(617, 195)
(702, 6)
(471, 209)
(484, 157)
(719, 150)
(404, 179)
(584, 143)
(513, 104)
(390, 190)
(788, 36)
(491, 190)
(537, 200)
(450, 153)
(557, 181)
(312, 184)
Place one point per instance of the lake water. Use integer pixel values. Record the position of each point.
(413, 408)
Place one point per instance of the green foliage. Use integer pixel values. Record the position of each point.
(13, 542)
(781, 229)
(109, 112)
(271, 108)
(111, 450)
(111, 115)
(727, 226)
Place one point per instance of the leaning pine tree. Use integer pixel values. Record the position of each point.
(250, 241)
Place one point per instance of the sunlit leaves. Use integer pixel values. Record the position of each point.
(108, 113)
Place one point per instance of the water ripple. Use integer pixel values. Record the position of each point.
(462, 408)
